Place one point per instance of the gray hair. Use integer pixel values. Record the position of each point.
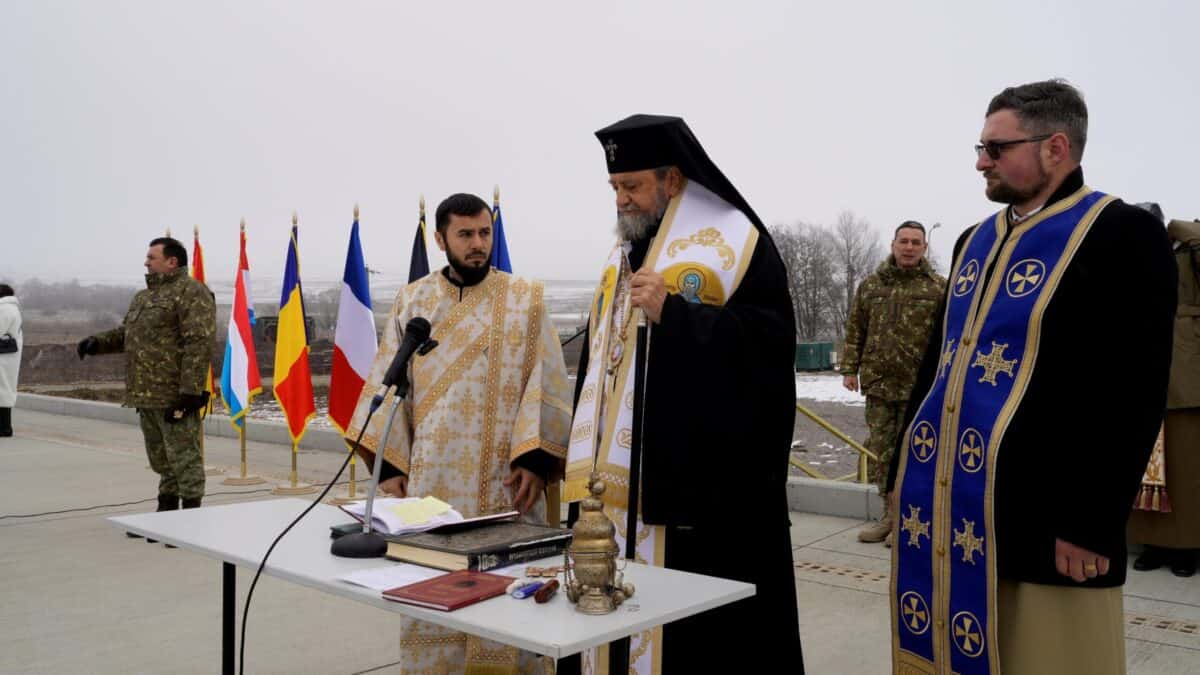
(1047, 107)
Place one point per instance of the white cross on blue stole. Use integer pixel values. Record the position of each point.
(944, 561)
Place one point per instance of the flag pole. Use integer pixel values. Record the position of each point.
(293, 486)
(208, 470)
(245, 478)
(350, 487)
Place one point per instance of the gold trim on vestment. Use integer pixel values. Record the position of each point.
(744, 261)
(533, 332)
(997, 261)
(449, 377)
(491, 394)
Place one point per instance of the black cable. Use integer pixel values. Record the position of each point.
(140, 501)
(262, 565)
(579, 332)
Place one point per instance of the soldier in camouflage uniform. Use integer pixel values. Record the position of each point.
(886, 335)
(168, 339)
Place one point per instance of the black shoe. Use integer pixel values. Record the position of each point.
(191, 502)
(1151, 559)
(1184, 563)
(133, 535)
(165, 503)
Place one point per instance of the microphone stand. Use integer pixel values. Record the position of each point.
(370, 544)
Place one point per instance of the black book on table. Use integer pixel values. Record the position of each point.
(479, 546)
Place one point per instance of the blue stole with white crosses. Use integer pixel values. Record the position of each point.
(944, 555)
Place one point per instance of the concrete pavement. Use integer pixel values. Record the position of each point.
(78, 596)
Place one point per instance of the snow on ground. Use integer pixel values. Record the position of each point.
(826, 388)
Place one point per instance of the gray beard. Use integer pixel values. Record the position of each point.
(635, 226)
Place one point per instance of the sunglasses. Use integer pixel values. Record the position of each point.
(996, 148)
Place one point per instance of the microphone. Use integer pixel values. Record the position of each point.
(369, 544)
(416, 334)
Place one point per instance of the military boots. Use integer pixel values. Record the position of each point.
(165, 503)
(879, 530)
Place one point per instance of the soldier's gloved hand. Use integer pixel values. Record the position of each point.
(187, 404)
(88, 345)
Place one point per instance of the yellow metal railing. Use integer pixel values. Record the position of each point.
(863, 454)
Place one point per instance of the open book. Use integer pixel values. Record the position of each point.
(406, 515)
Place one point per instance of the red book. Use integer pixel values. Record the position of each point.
(451, 591)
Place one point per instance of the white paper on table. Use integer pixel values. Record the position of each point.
(392, 576)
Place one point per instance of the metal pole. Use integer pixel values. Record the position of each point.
(228, 616)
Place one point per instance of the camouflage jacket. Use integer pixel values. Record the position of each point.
(168, 337)
(888, 328)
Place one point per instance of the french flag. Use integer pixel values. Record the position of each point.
(240, 381)
(354, 341)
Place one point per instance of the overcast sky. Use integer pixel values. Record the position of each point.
(118, 119)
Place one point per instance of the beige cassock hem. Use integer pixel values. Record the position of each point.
(1058, 630)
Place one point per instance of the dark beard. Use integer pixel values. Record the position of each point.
(1004, 193)
(470, 275)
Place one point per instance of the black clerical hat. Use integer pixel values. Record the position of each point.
(641, 142)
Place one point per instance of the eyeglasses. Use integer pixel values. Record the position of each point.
(996, 148)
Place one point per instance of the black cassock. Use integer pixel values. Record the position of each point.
(719, 408)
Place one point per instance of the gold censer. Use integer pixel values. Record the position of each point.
(593, 582)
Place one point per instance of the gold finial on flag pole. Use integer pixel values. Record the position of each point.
(422, 204)
(243, 225)
(496, 194)
(196, 230)
(168, 230)
(356, 211)
(295, 218)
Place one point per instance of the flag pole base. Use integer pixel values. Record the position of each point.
(243, 480)
(341, 501)
(297, 489)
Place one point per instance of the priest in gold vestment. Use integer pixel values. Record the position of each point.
(486, 422)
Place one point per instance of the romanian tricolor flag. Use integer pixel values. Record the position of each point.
(354, 341)
(198, 275)
(239, 373)
(293, 380)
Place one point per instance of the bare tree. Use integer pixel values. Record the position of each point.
(807, 253)
(856, 252)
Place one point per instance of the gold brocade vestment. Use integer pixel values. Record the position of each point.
(494, 389)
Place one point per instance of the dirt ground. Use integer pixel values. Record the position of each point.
(822, 450)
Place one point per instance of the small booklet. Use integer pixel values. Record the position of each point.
(449, 592)
(398, 516)
(404, 515)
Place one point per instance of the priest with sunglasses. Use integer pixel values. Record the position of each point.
(1029, 430)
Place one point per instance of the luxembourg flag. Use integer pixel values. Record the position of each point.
(354, 341)
(240, 382)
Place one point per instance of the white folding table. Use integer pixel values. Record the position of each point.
(239, 534)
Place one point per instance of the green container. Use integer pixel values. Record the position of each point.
(814, 356)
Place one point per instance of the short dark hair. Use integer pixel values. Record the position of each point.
(171, 249)
(6, 290)
(909, 225)
(1047, 107)
(461, 204)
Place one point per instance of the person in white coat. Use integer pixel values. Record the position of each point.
(10, 363)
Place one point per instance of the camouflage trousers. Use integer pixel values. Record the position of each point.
(883, 424)
(174, 452)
